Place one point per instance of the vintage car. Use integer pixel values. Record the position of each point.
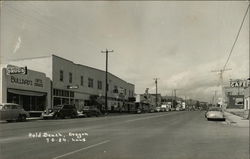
(215, 113)
(60, 111)
(12, 111)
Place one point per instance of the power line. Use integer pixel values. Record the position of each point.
(236, 37)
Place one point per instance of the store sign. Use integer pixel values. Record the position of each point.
(21, 81)
(73, 87)
(27, 82)
(38, 82)
(238, 83)
(16, 70)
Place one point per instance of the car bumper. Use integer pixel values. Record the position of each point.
(47, 116)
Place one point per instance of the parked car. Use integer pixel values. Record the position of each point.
(80, 114)
(215, 113)
(91, 111)
(157, 109)
(60, 111)
(172, 109)
(11, 111)
(162, 109)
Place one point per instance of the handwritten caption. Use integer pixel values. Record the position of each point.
(60, 137)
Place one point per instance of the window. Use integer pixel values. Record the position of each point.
(115, 89)
(61, 75)
(99, 84)
(90, 83)
(81, 80)
(125, 91)
(70, 77)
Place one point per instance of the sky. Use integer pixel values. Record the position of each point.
(178, 42)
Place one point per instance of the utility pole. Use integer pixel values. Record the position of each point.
(215, 98)
(106, 79)
(156, 95)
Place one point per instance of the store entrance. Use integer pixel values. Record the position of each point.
(29, 102)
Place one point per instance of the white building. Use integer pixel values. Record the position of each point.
(78, 84)
(31, 90)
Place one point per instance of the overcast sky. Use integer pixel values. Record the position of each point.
(177, 42)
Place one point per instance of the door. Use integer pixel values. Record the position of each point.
(3, 112)
(14, 112)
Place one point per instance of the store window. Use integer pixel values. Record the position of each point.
(99, 84)
(90, 83)
(70, 77)
(61, 75)
(81, 80)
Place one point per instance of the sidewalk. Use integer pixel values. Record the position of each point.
(236, 120)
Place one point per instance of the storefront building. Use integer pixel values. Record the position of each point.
(247, 98)
(31, 90)
(79, 84)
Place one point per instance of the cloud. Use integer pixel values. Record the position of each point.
(18, 45)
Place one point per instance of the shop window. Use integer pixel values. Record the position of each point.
(61, 75)
(71, 94)
(70, 77)
(90, 83)
(81, 80)
(99, 84)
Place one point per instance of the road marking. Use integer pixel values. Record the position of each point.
(155, 116)
(69, 153)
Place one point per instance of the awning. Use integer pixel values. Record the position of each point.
(26, 93)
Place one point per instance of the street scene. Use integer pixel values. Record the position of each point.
(124, 80)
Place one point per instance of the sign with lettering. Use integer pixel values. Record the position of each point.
(16, 70)
(73, 87)
(238, 83)
(38, 82)
(27, 82)
(22, 81)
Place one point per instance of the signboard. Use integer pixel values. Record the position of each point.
(238, 83)
(16, 70)
(73, 87)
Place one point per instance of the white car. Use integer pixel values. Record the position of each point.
(12, 111)
(215, 113)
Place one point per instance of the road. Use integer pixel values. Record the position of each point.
(166, 135)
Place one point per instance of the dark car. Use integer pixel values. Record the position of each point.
(61, 111)
(91, 111)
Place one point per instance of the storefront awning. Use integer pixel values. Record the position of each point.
(26, 93)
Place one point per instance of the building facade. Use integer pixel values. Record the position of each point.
(31, 90)
(247, 98)
(78, 84)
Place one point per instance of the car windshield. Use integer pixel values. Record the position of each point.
(215, 109)
(57, 107)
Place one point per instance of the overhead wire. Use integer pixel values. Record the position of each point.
(237, 36)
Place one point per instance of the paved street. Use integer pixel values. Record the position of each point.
(170, 135)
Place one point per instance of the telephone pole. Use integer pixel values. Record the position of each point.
(156, 95)
(106, 79)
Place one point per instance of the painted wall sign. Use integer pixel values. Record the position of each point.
(17, 80)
